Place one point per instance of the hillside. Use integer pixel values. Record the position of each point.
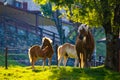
(68, 73)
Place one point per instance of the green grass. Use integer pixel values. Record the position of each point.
(10, 61)
(68, 73)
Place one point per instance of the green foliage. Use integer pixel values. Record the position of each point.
(40, 1)
(85, 11)
(68, 73)
(46, 9)
(82, 11)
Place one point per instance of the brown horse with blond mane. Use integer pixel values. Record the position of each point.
(66, 51)
(84, 46)
(45, 51)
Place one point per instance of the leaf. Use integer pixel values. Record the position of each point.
(40, 1)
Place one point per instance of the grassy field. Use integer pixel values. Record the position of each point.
(68, 73)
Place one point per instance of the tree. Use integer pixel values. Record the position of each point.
(111, 23)
(46, 9)
(105, 13)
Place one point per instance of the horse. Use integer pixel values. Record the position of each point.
(35, 52)
(45, 51)
(66, 50)
(84, 46)
(49, 53)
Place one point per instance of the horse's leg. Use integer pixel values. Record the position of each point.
(33, 62)
(49, 62)
(89, 59)
(86, 60)
(82, 57)
(78, 54)
(75, 63)
(65, 60)
(59, 60)
(32, 65)
(44, 62)
(60, 56)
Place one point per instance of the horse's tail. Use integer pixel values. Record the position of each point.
(58, 52)
(30, 57)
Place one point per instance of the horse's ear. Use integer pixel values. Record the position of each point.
(47, 39)
(88, 27)
(50, 40)
(80, 28)
(43, 39)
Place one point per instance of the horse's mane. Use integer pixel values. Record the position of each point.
(47, 39)
(82, 26)
(89, 37)
(33, 46)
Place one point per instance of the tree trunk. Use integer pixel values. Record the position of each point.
(119, 54)
(112, 46)
(58, 23)
(112, 55)
(112, 36)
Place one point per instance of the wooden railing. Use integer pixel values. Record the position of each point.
(30, 28)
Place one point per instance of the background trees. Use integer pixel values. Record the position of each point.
(105, 13)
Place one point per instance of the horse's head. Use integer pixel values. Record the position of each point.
(82, 31)
(46, 42)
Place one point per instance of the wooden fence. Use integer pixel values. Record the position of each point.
(23, 60)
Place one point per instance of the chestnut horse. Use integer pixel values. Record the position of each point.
(45, 51)
(84, 46)
(66, 50)
(36, 52)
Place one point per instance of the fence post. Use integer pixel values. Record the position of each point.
(56, 47)
(41, 33)
(53, 38)
(6, 53)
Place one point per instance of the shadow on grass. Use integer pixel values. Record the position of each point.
(83, 74)
(36, 71)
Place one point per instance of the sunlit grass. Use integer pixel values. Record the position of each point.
(53, 73)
